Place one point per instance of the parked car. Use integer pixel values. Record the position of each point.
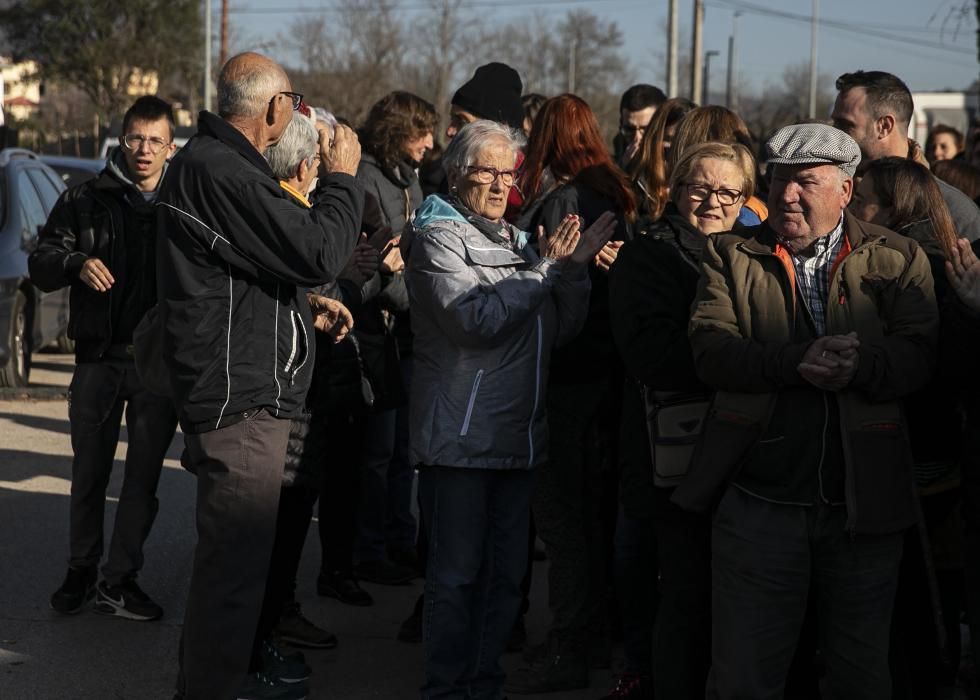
(74, 171)
(29, 318)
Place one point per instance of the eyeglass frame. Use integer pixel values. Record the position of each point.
(154, 146)
(738, 194)
(295, 97)
(477, 169)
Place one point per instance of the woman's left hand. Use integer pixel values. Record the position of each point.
(605, 258)
(963, 273)
(594, 238)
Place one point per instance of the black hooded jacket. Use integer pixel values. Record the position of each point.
(234, 260)
(106, 218)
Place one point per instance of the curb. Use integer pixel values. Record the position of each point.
(34, 393)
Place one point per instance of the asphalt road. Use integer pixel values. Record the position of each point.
(45, 656)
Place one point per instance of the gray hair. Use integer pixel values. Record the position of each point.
(474, 137)
(246, 93)
(298, 144)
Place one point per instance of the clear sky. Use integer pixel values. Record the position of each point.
(926, 42)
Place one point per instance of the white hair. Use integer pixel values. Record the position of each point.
(299, 143)
(246, 93)
(473, 138)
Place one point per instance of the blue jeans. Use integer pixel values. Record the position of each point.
(477, 525)
(767, 560)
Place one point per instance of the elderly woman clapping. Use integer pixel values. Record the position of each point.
(486, 312)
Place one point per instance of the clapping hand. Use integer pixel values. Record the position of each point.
(594, 238)
(963, 273)
(563, 241)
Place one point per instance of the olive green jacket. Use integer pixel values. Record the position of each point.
(742, 335)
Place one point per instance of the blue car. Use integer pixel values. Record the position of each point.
(29, 318)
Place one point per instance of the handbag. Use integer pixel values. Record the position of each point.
(675, 421)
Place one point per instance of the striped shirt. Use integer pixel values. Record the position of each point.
(813, 275)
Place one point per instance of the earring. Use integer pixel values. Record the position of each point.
(453, 189)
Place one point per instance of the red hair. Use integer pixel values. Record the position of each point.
(566, 139)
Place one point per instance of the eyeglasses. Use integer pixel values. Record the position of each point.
(700, 193)
(153, 143)
(487, 175)
(296, 97)
(630, 129)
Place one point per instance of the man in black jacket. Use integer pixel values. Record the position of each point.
(99, 240)
(235, 258)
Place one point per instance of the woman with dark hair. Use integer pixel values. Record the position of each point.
(569, 171)
(720, 124)
(959, 174)
(648, 169)
(378, 545)
(903, 196)
(943, 143)
(658, 545)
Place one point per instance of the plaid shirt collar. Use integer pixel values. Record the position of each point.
(813, 274)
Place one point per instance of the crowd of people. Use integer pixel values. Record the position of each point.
(723, 378)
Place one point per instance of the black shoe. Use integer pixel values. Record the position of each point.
(295, 629)
(262, 686)
(289, 668)
(518, 636)
(563, 667)
(411, 629)
(126, 600)
(384, 572)
(343, 587)
(78, 589)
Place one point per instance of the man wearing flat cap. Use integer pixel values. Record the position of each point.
(811, 327)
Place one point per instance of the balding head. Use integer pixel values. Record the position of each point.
(246, 84)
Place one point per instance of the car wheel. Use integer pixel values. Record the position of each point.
(65, 344)
(18, 367)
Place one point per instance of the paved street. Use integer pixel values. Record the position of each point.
(87, 657)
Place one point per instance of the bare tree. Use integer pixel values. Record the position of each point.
(102, 46)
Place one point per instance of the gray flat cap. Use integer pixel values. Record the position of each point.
(800, 144)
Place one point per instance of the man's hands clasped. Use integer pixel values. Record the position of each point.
(831, 361)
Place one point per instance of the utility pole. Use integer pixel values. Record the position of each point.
(207, 55)
(813, 60)
(707, 75)
(696, 51)
(731, 97)
(223, 50)
(571, 64)
(672, 37)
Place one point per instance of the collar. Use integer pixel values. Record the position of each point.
(297, 195)
(216, 127)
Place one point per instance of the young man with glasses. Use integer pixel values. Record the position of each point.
(100, 240)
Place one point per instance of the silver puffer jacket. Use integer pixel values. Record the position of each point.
(486, 318)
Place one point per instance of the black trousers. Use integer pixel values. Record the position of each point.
(99, 393)
(768, 561)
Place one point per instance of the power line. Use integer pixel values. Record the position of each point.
(421, 8)
(839, 25)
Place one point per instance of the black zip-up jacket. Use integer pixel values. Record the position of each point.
(105, 218)
(235, 258)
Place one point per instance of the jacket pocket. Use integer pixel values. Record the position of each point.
(883, 487)
(472, 402)
(299, 350)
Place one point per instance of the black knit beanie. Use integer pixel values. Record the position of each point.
(494, 93)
